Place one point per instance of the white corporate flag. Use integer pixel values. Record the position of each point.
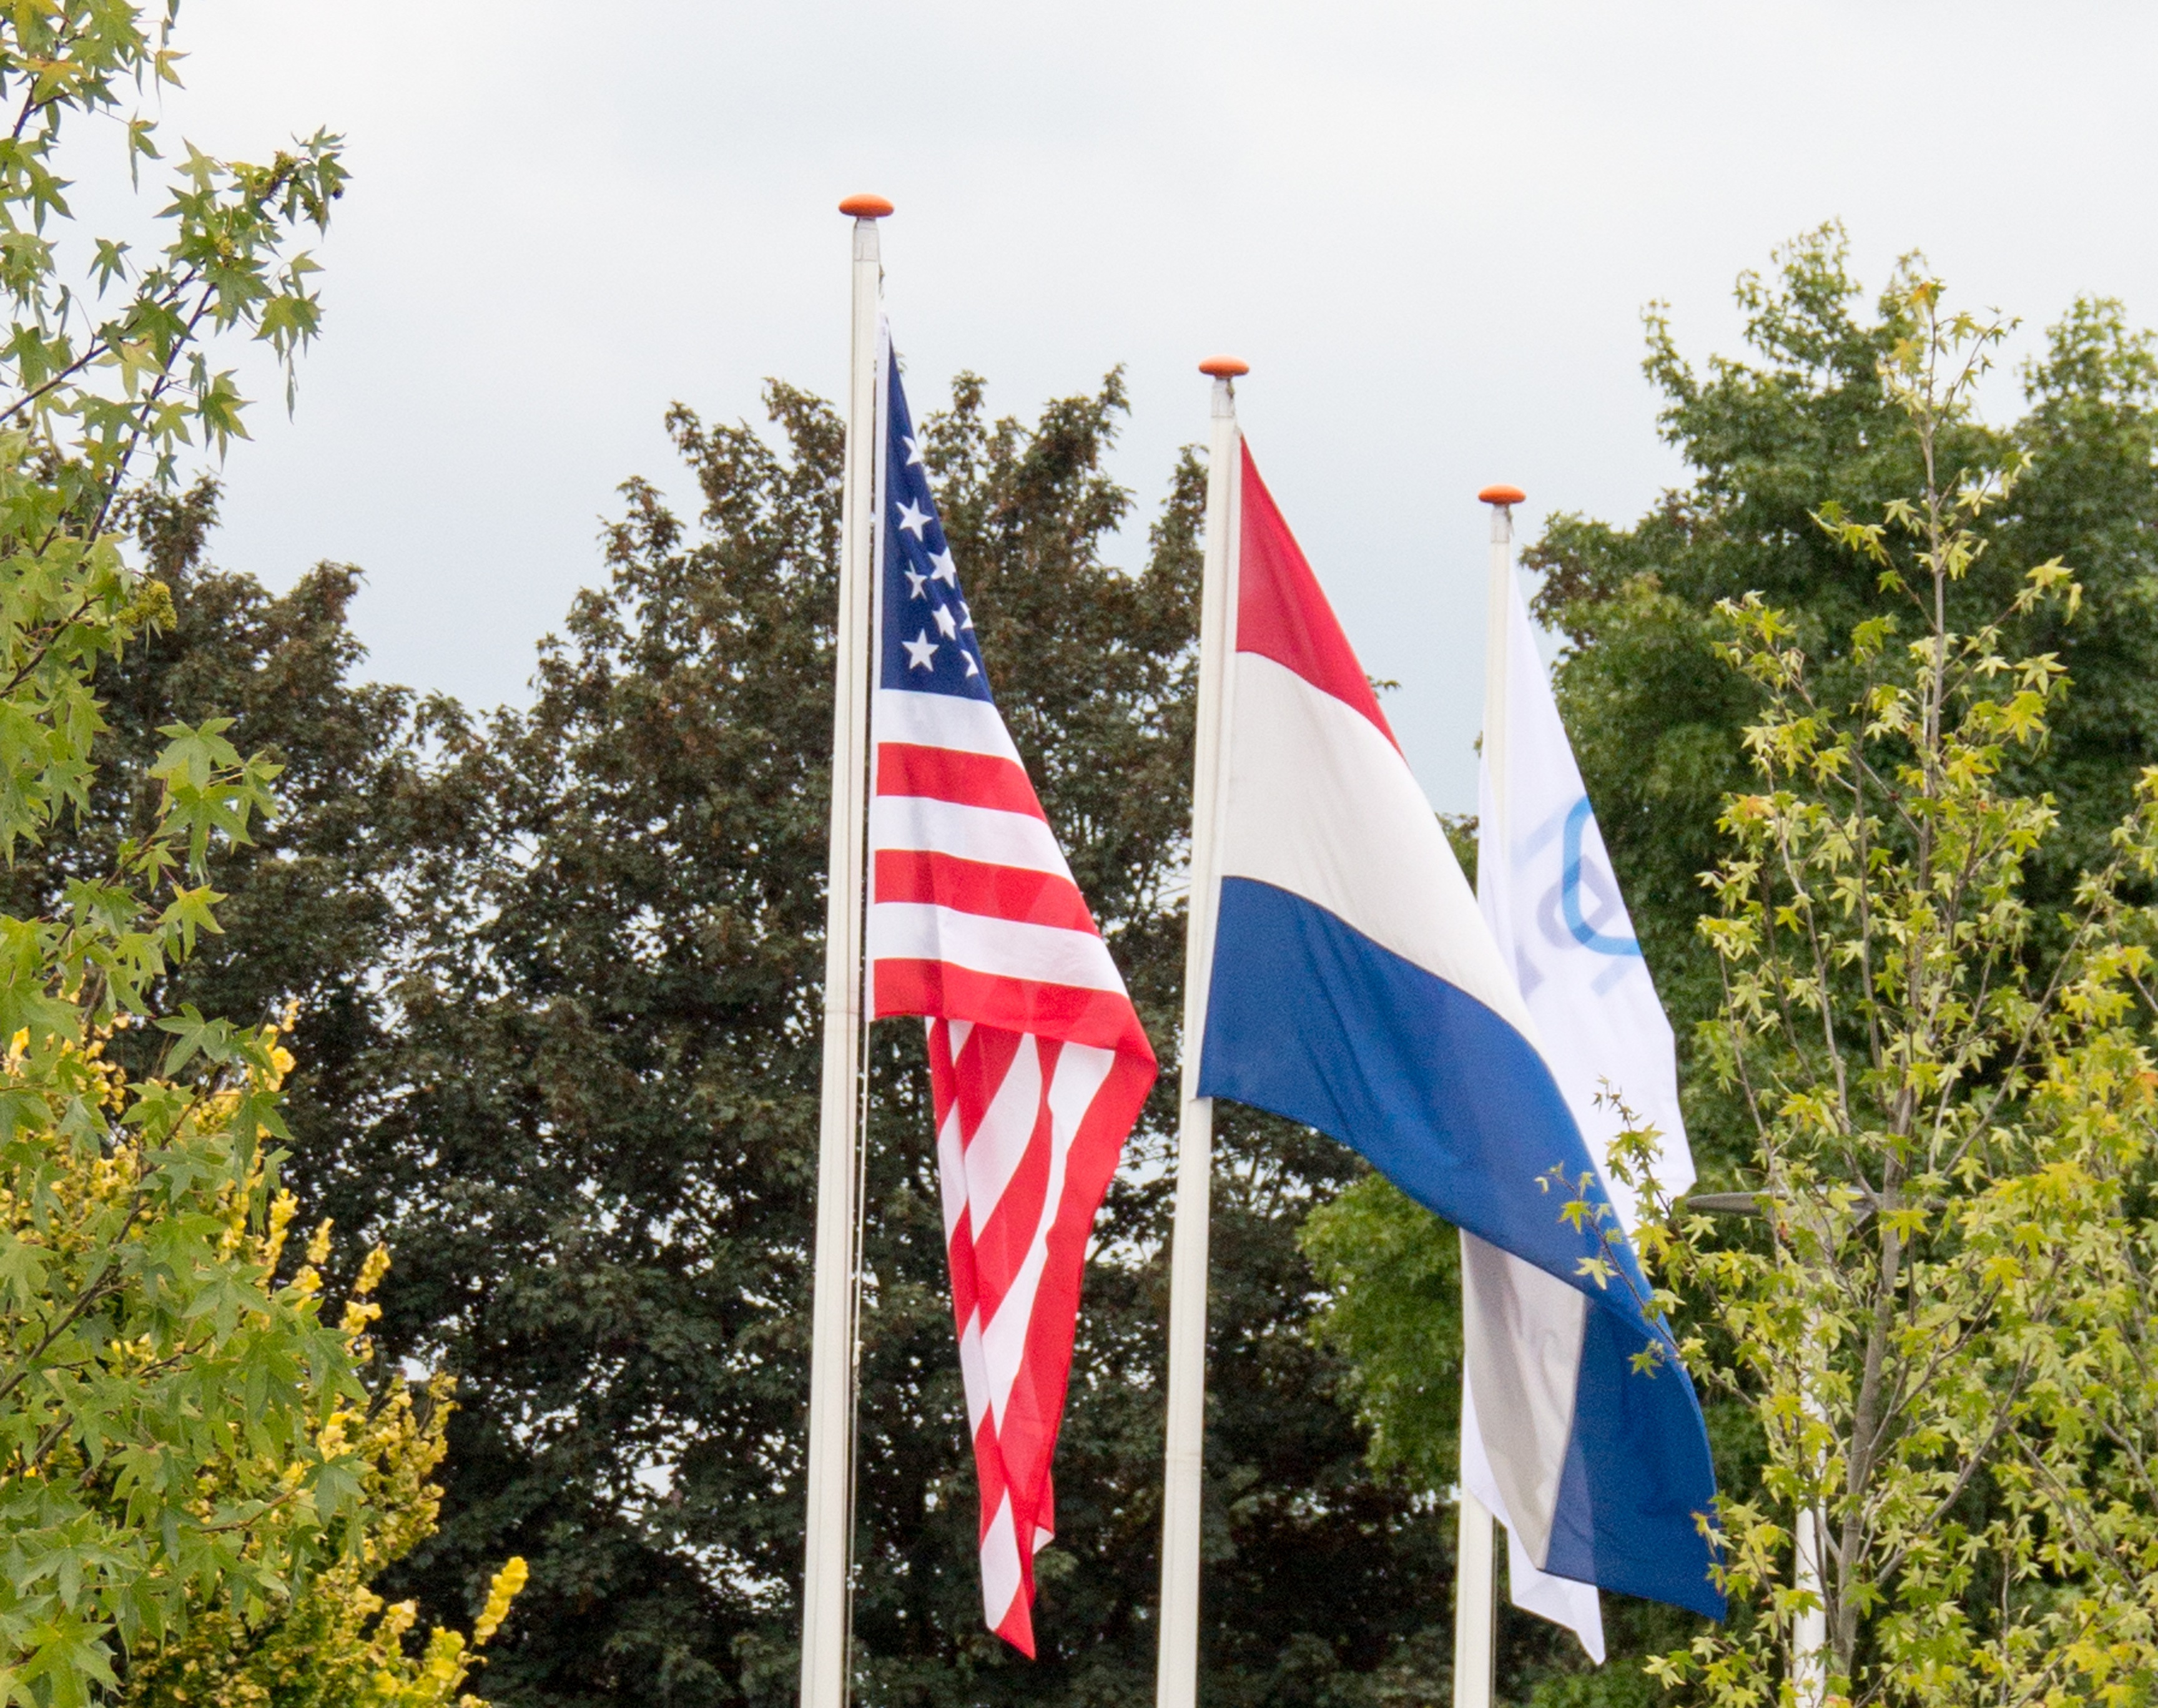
(1545, 885)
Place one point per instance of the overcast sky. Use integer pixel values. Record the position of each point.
(1431, 228)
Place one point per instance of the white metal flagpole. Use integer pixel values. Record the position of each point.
(828, 1520)
(1499, 604)
(1475, 1604)
(1176, 1678)
(1475, 1564)
(1810, 1627)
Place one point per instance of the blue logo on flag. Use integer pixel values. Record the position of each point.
(1584, 933)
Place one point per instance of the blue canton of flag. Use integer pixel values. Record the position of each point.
(928, 640)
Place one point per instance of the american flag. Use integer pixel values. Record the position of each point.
(1038, 1064)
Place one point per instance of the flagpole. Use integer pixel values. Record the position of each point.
(1176, 1680)
(828, 1520)
(1475, 1604)
(1498, 607)
(1475, 1560)
(1810, 1627)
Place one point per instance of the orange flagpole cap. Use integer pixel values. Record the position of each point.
(1501, 495)
(866, 207)
(1225, 367)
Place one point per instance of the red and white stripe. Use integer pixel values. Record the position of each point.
(1038, 1068)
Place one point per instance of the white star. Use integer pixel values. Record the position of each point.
(969, 658)
(945, 626)
(916, 582)
(942, 569)
(967, 615)
(913, 449)
(913, 520)
(920, 651)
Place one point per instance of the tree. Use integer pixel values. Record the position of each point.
(306, 923)
(1951, 1139)
(315, 901)
(1658, 721)
(1657, 724)
(603, 1161)
(332, 1643)
(188, 1454)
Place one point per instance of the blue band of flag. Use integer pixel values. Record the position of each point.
(1311, 1020)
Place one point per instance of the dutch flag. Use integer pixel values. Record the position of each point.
(1355, 987)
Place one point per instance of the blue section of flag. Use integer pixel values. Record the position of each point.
(1637, 1472)
(927, 643)
(1309, 1018)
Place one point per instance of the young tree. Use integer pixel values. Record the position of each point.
(1804, 417)
(330, 1641)
(306, 926)
(1801, 418)
(184, 1444)
(1948, 1128)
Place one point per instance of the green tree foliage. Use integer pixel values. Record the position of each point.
(143, 1343)
(191, 1466)
(161, 1390)
(1804, 419)
(306, 926)
(1939, 1323)
(328, 1640)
